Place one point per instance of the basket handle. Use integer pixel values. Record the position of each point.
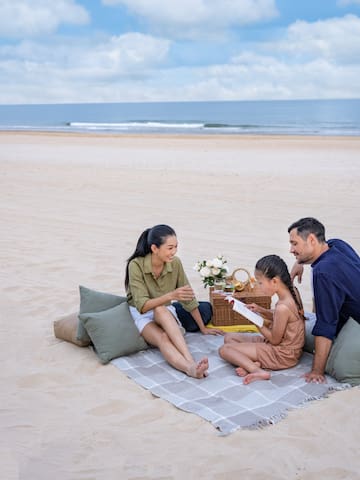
(238, 284)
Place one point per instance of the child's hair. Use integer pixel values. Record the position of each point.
(151, 236)
(273, 266)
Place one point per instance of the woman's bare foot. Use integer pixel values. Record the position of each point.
(199, 370)
(242, 372)
(205, 361)
(258, 375)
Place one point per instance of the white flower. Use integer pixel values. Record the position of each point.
(205, 272)
(217, 262)
(211, 270)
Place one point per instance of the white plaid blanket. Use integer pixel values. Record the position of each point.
(221, 398)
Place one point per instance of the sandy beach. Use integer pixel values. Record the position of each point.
(72, 208)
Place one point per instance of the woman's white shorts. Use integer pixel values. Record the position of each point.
(142, 319)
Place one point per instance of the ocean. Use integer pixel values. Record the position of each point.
(279, 117)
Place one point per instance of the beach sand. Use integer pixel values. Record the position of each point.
(72, 208)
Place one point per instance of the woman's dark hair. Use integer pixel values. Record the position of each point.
(151, 236)
(273, 266)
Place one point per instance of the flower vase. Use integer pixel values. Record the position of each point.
(219, 284)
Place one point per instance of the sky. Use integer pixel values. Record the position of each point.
(74, 51)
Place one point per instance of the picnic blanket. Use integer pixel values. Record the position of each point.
(221, 398)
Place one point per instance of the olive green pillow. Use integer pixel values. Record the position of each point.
(93, 301)
(344, 359)
(113, 332)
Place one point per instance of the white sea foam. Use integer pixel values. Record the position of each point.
(135, 125)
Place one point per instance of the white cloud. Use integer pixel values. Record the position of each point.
(249, 76)
(70, 71)
(270, 78)
(128, 54)
(125, 55)
(336, 39)
(345, 3)
(23, 18)
(198, 18)
(311, 60)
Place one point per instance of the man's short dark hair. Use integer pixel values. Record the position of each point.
(308, 225)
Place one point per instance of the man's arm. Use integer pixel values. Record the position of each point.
(297, 271)
(322, 350)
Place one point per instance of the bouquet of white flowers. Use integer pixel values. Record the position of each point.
(212, 270)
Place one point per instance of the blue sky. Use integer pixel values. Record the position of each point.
(72, 51)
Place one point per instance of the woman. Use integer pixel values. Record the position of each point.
(154, 278)
(280, 345)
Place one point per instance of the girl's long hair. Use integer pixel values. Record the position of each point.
(151, 236)
(273, 266)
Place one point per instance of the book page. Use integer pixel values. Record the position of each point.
(241, 308)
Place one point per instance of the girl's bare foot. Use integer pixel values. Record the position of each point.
(199, 370)
(242, 372)
(258, 375)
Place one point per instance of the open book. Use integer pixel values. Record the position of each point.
(240, 307)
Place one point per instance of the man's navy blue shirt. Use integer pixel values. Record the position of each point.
(336, 283)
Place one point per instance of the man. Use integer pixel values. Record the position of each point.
(336, 284)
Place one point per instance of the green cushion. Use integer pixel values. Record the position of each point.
(113, 332)
(344, 359)
(93, 301)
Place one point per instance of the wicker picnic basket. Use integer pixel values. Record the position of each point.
(240, 285)
(245, 291)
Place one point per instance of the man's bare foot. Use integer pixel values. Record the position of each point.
(200, 369)
(258, 375)
(242, 372)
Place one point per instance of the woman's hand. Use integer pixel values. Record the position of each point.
(183, 294)
(212, 331)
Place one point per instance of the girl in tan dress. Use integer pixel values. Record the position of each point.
(283, 335)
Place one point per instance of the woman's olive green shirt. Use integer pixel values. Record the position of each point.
(143, 285)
